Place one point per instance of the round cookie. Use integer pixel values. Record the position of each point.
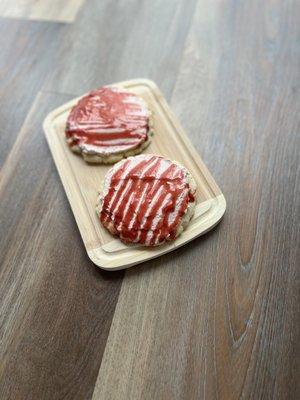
(147, 199)
(108, 124)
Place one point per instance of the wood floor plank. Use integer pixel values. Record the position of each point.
(49, 10)
(27, 54)
(122, 40)
(219, 319)
(56, 306)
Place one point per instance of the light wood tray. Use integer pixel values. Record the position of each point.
(82, 182)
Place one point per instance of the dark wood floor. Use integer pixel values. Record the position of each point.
(216, 319)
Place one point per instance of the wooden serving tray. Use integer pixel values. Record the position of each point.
(83, 181)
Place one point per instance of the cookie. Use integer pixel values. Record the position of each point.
(147, 199)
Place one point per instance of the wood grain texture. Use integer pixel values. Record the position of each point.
(120, 41)
(27, 54)
(51, 10)
(82, 182)
(217, 319)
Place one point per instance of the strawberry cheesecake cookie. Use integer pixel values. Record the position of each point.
(109, 124)
(147, 199)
